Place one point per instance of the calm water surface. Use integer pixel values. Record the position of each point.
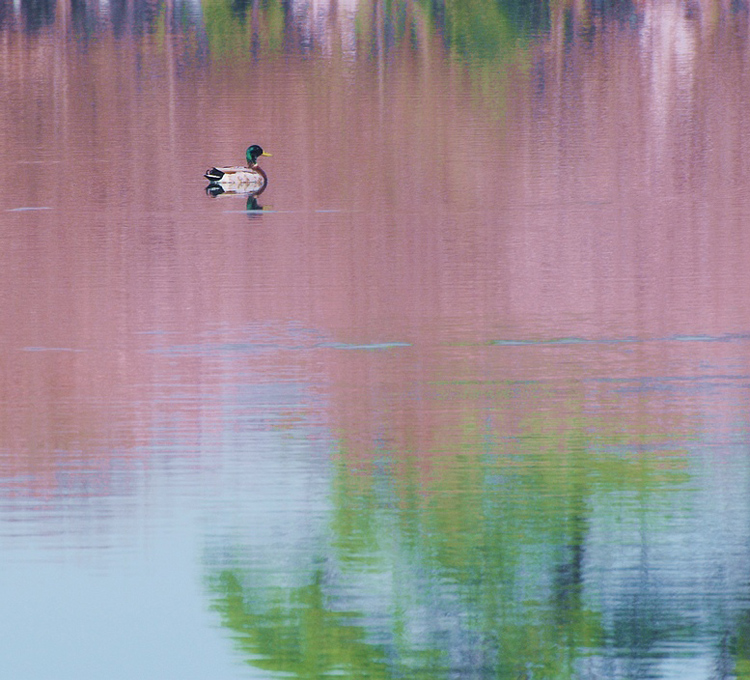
(464, 394)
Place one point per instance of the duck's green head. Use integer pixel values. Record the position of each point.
(253, 153)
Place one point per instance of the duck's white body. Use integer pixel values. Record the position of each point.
(238, 178)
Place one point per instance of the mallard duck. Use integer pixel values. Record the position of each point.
(239, 178)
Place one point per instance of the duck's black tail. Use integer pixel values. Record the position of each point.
(214, 174)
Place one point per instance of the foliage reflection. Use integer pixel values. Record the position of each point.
(532, 549)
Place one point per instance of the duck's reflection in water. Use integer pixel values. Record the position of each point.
(251, 206)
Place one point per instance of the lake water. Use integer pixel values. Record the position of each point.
(464, 393)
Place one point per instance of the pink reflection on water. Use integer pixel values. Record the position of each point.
(595, 189)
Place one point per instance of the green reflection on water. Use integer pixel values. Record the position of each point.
(295, 632)
(236, 30)
(467, 555)
(479, 30)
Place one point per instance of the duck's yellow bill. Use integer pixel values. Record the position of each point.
(266, 154)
